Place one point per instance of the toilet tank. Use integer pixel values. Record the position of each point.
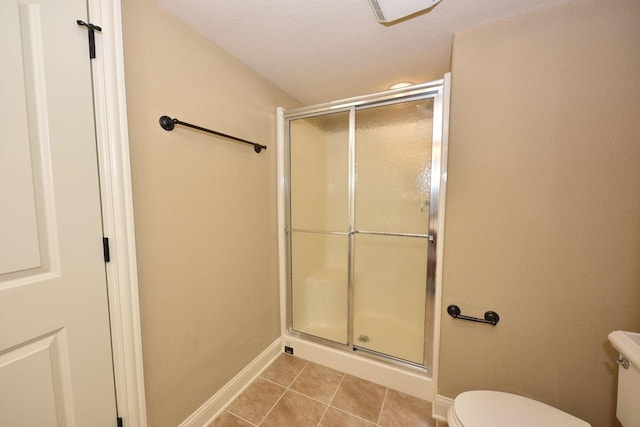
(628, 345)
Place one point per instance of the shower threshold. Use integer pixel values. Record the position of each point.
(399, 375)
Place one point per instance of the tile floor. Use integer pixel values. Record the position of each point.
(295, 393)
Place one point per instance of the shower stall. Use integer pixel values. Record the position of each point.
(361, 192)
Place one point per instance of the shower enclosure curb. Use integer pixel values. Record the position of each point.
(412, 383)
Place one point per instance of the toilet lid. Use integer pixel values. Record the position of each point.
(482, 408)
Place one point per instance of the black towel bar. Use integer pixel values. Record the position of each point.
(168, 123)
(490, 317)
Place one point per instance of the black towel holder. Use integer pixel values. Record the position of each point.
(167, 123)
(490, 317)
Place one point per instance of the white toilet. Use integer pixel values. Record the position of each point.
(483, 408)
(628, 345)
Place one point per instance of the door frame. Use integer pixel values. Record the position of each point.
(117, 210)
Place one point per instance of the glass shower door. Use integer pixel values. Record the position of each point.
(362, 218)
(391, 214)
(319, 225)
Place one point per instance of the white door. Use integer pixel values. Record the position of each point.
(55, 354)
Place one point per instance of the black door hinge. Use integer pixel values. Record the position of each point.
(119, 422)
(92, 37)
(105, 249)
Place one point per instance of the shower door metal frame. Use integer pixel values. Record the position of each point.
(434, 90)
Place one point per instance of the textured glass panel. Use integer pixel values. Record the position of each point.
(390, 289)
(319, 172)
(393, 167)
(319, 284)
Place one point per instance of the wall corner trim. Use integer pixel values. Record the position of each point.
(441, 405)
(282, 238)
(216, 403)
(110, 111)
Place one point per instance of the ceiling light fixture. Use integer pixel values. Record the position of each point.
(391, 10)
(400, 85)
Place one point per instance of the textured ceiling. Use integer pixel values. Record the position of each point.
(324, 50)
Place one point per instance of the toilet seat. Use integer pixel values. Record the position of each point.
(483, 408)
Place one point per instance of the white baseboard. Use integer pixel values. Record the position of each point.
(216, 404)
(441, 406)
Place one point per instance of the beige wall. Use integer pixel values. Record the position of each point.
(205, 210)
(543, 209)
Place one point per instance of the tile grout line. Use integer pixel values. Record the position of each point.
(308, 397)
(331, 400)
(272, 382)
(386, 392)
(238, 416)
(354, 416)
(285, 391)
